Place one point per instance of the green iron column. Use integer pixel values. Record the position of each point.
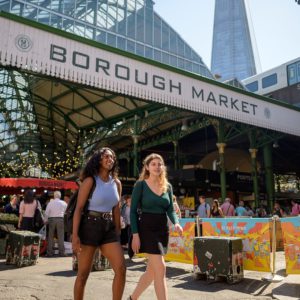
(135, 155)
(221, 148)
(269, 176)
(175, 143)
(135, 137)
(128, 165)
(253, 153)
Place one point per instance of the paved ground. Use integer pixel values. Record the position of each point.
(52, 278)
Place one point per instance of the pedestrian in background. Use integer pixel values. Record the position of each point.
(227, 208)
(154, 194)
(100, 226)
(54, 217)
(12, 207)
(295, 208)
(216, 211)
(261, 212)
(27, 210)
(277, 210)
(203, 209)
(125, 214)
(250, 212)
(67, 199)
(241, 211)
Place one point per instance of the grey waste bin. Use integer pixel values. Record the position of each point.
(219, 256)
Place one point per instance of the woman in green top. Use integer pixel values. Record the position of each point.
(153, 193)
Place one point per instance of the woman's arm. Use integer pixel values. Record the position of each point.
(208, 214)
(21, 213)
(116, 209)
(221, 212)
(83, 194)
(171, 212)
(177, 210)
(136, 198)
(20, 220)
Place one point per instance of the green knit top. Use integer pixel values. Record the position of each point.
(144, 198)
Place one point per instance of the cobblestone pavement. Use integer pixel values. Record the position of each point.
(52, 278)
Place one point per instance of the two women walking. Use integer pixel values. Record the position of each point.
(100, 226)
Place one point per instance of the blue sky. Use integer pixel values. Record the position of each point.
(276, 25)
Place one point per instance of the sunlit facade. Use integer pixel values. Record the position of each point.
(130, 25)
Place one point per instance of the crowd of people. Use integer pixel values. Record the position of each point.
(52, 214)
(140, 222)
(227, 209)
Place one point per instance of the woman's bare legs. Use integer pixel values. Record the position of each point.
(114, 253)
(156, 271)
(85, 261)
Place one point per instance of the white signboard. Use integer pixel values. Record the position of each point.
(33, 49)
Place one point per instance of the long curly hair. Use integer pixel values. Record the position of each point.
(93, 165)
(163, 181)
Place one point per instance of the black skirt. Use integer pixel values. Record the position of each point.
(154, 233)
(27, 224)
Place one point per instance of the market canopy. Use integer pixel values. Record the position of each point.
(41, 49)
(12, 183)
(62, 92)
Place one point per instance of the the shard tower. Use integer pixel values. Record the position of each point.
(232, 51)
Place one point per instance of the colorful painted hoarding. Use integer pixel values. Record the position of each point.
(291, 239)
(255, 233)
(181, 248)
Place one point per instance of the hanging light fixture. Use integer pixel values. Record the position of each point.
(184, 126)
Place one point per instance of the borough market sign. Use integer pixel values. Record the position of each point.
(42, 49)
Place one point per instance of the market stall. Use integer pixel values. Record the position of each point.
(8, 222)
(10, 186)
(16, 185)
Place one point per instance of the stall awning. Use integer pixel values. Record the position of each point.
(37, 183)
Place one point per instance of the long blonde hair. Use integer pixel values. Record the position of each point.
(163, 181)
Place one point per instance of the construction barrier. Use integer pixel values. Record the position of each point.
(278, 234)
(181, 248)
(261, 239)
(291, 239)
(255, 233)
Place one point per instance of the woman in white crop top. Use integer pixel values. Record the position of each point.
(99, 229)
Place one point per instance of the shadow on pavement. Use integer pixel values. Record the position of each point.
(173, 272)
(281, 272)
(4, 266)
(68, 273)
(255, 287)
(288, 289)
(248, 286)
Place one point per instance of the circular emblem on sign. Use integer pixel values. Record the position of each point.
(23, 43)
(267, 113)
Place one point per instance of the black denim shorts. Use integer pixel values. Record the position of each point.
(96, 231)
